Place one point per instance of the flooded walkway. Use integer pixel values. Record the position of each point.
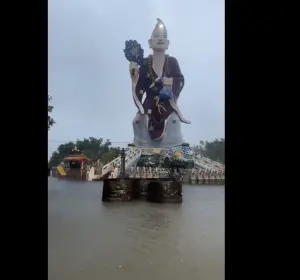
(89, 240)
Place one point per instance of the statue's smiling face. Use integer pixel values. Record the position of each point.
(159, 41)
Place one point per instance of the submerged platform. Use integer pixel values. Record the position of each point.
(152, 189)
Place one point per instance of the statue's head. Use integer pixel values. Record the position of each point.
(159, 38)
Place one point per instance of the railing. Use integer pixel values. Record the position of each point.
(165, 173)
(207, 163)
(189, 175)
(131, 156)
(213, 163)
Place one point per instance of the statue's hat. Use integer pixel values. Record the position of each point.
(160, 27)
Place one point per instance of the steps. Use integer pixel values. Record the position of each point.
(208, 164)
(91, 175)
(131, 156)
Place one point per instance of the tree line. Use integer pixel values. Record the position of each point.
(93, 148)
(214, 150)
(51, 121)
(98, 149)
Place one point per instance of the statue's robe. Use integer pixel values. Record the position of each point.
(158, 112)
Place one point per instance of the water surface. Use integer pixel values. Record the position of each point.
(91, 240)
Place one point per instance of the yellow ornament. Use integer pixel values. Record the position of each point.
(178, 154)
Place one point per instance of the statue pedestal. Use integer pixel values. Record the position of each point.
(172, 135)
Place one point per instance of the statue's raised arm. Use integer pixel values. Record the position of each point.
(157, 123)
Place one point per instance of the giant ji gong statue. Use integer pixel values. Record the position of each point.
(158, 121)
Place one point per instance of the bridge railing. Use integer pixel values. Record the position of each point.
(163, 173)
(132, 154)
(214, 163)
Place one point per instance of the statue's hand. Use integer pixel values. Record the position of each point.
(134, 71)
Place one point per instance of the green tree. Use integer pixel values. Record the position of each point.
(214, 150)
(62, 151)
(55, 159)
(50, 108)
(114, 152)
(93, 148)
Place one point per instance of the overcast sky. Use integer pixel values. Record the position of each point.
(88, 74)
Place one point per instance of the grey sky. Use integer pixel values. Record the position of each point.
(88, 74)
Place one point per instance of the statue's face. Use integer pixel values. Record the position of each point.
(159, 41)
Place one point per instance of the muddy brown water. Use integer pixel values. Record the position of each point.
(91, 240)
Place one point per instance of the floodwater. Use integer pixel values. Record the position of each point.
(91, 240)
